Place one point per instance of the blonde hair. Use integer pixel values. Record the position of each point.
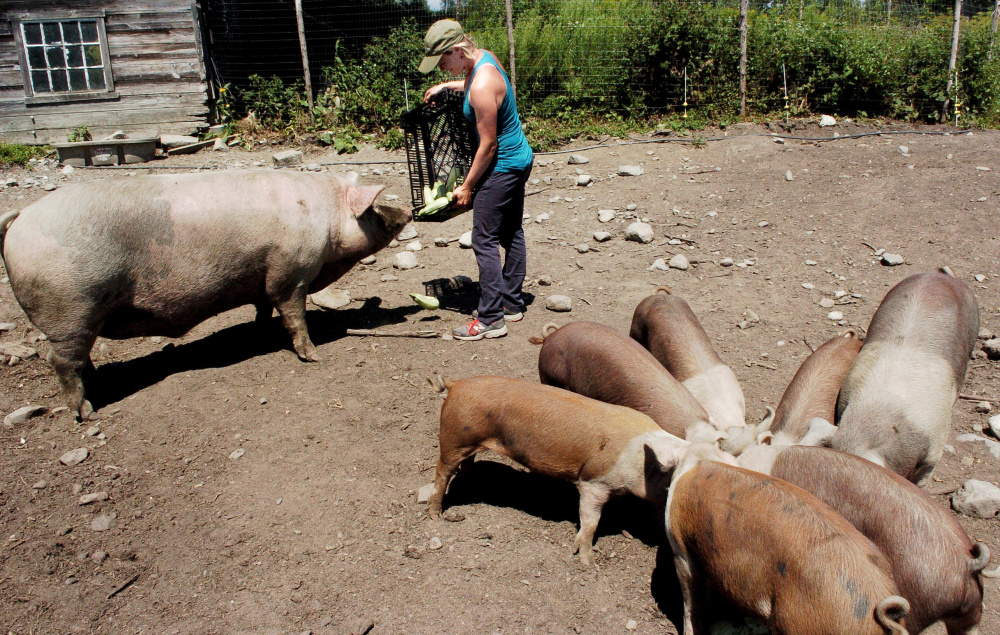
(467, 46)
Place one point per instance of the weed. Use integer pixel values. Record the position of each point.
(17, 154)
(80, 134)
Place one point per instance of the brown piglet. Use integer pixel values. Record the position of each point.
(777, 552)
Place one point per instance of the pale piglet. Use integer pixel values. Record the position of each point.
(774, 551)
(665, 325)
(157, 255)
(895, 405)
(813, 391)
(934, 563)
(604, 449)
(599, 362)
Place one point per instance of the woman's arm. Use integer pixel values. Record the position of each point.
(457, 85)
(485, 95)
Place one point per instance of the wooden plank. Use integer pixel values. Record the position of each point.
(58, 135)
(10, 79)
(148, 21)
(132, 102)
(160, 50)
(111, 6)
(99, 118)
(157, 70)
(151, 38)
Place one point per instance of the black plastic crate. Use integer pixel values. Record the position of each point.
(438, 137)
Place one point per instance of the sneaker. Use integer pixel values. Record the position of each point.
(509, 315)
(476, 330)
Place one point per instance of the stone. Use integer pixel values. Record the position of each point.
(17, 350)
(92, 431)
(583, 248)
(465, 240)
(602, 237)
(393, 243)
(424, 493)
(978, 499)
(984, 407)
(679, 261)
(7, 326)
(545, 281)
(605, 215)
(630, 170)
(220, 146)
(330, 298)
(994, 424)
(826, 303)
(99, 556)
(808, 285)
(544, 216)
(631, 625)
(87, 499)
(639, 232)
(171, 141)
(64, 530)
(21, 415)
(659, 265)
(48, 187)
(559, 303)
(434, 543)
(892, 260)
(414, 246)
(904, 150)
(237, 453)
(409, 232)
(811, 263)
(440, 241)
(404, 260)
(779, 141)
(67, 170)
(836, 316)
(103, 523)
(288, 157)
(389, 278)
(979, 277)
(368, 260)
(726, 262)
(74, 457)
(39, 484)
(789, 176)
(584, 179)
(827, 120)
(985, 334)
(577, 159)
(992, 348)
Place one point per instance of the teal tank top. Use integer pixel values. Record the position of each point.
(513, 152)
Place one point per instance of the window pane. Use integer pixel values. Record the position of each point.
(75, 56)
(89, 31)
(71, 31)
(40, 81)
(77, 79)
(52, 34)
(96, 78)
(33, 33)
(36, 57)
(93, 54)
(59, 82)
(55, 56)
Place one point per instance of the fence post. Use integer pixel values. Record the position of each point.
(993, 29)
(305, 55)
(743, 57)
(953, 60)
(510, 40)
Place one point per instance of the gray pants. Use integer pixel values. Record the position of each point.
(498, 206)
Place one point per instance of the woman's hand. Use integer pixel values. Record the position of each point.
(462, 198)
(433, 90)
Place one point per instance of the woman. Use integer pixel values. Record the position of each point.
(494, 186)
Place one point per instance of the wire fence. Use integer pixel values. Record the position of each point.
(642, 57)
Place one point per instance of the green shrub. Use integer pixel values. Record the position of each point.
(17, 154)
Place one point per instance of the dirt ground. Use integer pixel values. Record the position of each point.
(314, 526)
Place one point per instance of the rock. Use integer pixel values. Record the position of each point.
(220, 146)
(892, 260)
(545, 281)
(836, 316)
(984, 407)
(605, 215)
(99, 556)
(21, 415)
(559, 303)
(978, 499)
(92, 431)
(982, 168)
(979, 277)
(904, 150)
(789, 176)
(827, 120)
(7, 326)
(434, 543)
(639, 232)
(48, 187)
(393, 243)
(414, 246)
(64, 530)
(237, 453)
(368, 260)
(827, 303)
(409, 232)
(389, 278)
(779, 141)
(810, 263)
(583, 248)
(87, 499)
(659, 265)
(74, 457)
(465, 240)
(330, 298)
(679, 261)
(67, 170)
(103, 523)
(630, 170)
(39, 484)
(602, 237)
(404, 260)
(808, 285)
(992, 348)
(392, 197)
(726, 262)
(631, 207)
(994, 423)
(751, 316)
(577, 159)
(584, 179)
(440, 242)
(171, 141)
(424, 493)
(544, 216)
(288, 157)
(631, 625)
(984, 334)
(17, 350)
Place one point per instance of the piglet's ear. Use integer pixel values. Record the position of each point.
(360, 199)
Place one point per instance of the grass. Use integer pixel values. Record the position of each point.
(16, 154)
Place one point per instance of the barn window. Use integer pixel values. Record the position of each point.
(64, 59)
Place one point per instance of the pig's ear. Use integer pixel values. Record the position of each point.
(765, 423)
(359, 199)
(352, 177)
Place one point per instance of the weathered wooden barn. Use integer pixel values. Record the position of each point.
(131, 65)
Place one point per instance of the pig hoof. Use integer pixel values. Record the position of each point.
(453, 516)
(308, 355)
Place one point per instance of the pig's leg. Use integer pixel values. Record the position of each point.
(264, 312)
(690, 589)
(292, 310)
(593, 496)
(70, 359)
(448, 463)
